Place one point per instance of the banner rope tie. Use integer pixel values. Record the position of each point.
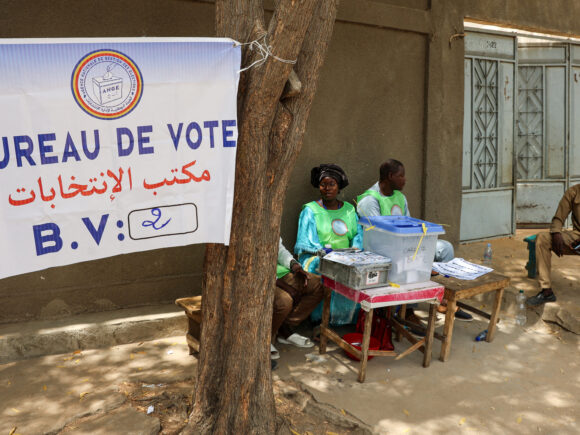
(264, 49)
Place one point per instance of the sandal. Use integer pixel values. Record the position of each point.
(274, 354)
(296, 340)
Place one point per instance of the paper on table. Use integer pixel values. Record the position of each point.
(461, 269)
(359, 258)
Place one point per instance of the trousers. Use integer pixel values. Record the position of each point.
(284, 312)
(544, 254)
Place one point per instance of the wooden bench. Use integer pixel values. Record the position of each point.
(456, 290)
(192, 308)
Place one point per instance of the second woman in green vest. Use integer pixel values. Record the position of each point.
(325, 222)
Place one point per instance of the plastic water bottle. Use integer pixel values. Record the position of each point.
(487, 254)
(521, 317)
(481, 336)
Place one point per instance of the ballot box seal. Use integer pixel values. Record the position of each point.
(107, 84)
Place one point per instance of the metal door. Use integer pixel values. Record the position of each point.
(574, 117)
(487, 208)
(542, 125)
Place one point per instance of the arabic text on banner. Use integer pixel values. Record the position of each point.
(114, 146)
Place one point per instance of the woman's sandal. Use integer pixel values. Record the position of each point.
(296, 340)
(274, 354)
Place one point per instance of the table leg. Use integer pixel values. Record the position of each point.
(365, 346)
(448, 329)
(429, 335)
(325, 320)
(494, 315)
(402, 315)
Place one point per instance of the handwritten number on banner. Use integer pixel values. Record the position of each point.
(157, 214)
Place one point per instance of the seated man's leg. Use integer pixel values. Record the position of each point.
(311, 295)
(544, 259)
(544, 265)
(282, 307)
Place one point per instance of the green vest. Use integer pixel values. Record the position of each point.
(387, 203)
(281, 271)
(335, 227)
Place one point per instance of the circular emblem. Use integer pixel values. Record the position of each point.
(339, 227)
(396, 211)
(107, 84)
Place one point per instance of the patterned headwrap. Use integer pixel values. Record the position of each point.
(328, 170)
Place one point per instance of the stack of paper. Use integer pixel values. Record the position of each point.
(461, 269)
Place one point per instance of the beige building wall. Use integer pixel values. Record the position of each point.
(392, 86)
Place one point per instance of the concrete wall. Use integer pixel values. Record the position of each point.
(364, 112)
(559, 17)
(392, 86)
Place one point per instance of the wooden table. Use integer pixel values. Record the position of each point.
(457, 289)
(376, 298)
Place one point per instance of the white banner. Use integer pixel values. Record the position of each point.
(114, 146)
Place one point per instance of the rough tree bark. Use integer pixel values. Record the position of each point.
(234, 384)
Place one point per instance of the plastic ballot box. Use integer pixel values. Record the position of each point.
(409, 243)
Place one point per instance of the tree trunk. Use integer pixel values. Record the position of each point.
(234, 386)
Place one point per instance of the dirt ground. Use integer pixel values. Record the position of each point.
(525, 381)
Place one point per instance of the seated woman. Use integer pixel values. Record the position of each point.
(328, 221)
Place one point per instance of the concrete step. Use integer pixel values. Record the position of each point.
(89, 331)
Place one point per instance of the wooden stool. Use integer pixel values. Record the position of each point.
(192, 308)
(457, 289)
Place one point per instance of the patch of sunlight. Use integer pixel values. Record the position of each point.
(299, 371)
(321, 385)
(493, 378)
(507, 325)
(511, 347)
(343, 369)
(407, 424)
(395, 427)
(559, 399)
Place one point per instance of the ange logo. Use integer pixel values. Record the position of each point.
(107, 84)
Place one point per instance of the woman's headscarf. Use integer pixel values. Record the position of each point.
(328, 170)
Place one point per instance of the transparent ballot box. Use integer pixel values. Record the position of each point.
(356, 269)
(409, 243)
